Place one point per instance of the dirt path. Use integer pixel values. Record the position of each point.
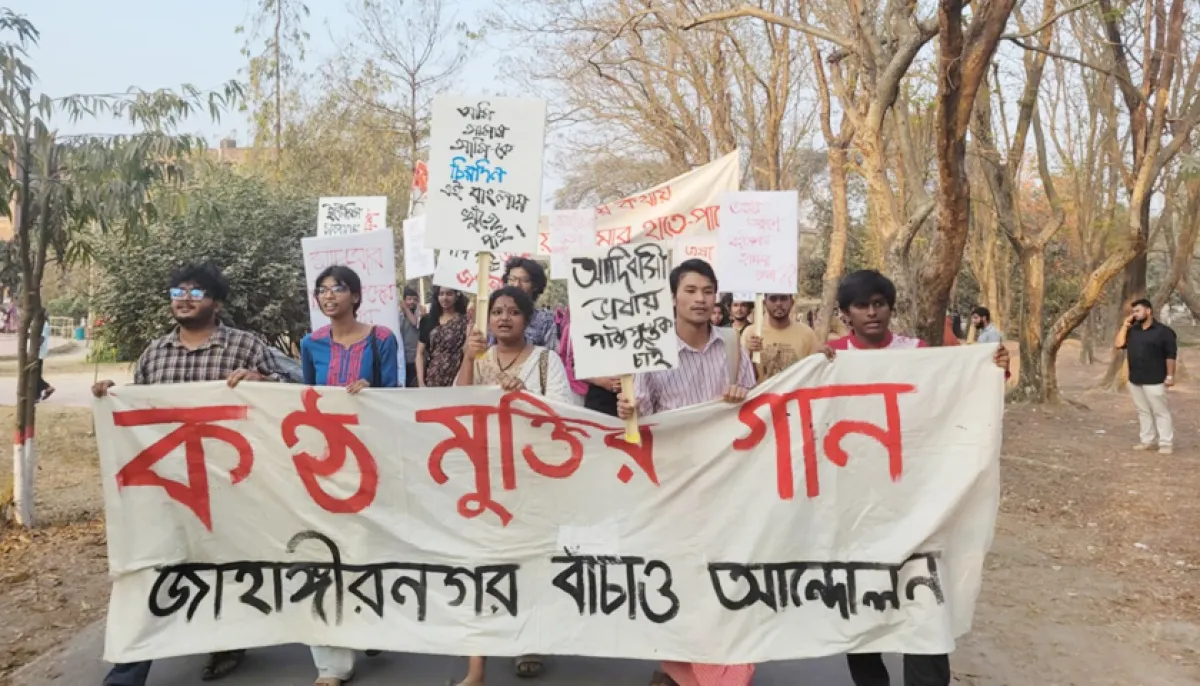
(1092, 580)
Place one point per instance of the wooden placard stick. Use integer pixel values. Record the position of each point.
(483, 285)
(633, 434)
(759, 315)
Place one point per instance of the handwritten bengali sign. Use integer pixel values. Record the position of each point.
(622, 314)
(372, 255)
(696, 248)
(485, 173)
(758, 243)
(687, 205)
(343, 216)
(865, 491)
(418, 260)
(459, 269)
(543, 248)
(571, 232)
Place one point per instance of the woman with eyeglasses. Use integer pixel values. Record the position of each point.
(514, 364)
(441, 336)
(529, 276)
(353, 355)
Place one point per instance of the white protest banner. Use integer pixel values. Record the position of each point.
(371, 255)
(622, 316)
(485, 173)
(686, 205)
(458, 269)
(343, 216)
(696, 248)
(571, 232)
(844, 506)
(757, 245)
(418, 260)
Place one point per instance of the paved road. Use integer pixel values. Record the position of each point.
(78, 664)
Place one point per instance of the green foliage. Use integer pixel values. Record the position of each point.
(73, 305)
(248, 228)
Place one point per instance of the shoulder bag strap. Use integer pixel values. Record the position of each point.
(376, 372)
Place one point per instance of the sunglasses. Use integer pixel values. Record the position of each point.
(188, 293)
(339, 289)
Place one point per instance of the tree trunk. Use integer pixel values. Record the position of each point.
(1033, 275)
(835, 263)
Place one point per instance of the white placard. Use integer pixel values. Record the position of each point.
(571, 232)
(418, 260)
(485, 174)
(622, 316)
(457, 269)
(344, 216)
(373, 257)
(863, 491)
(757, 244)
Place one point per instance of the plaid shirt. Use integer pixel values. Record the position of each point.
(226, 350)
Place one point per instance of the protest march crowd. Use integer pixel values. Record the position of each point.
(640, 337)
(525, 349)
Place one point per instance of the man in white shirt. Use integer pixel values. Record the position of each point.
(45, 390)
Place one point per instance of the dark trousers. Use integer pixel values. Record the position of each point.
(129, 674)
(410, 375)
(42, 385)
(867, 669)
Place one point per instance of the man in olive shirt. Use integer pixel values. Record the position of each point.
(784, 340)
(1151, 350)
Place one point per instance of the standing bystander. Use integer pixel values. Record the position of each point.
(1151, 349)
(410, 334)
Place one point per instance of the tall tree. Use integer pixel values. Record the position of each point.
(279, 24)
(415, 49)
(59, 189)
(1152, 150)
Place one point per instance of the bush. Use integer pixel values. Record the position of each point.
(247, 228)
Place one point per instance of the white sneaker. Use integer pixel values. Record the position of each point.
(1143, 447)
(1166, 450)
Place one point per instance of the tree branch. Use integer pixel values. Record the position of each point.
(771, 18)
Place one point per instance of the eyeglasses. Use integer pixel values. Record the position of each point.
(339, 289)
(188, 293)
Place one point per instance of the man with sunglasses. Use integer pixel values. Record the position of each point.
(784, 340)
(199, 349)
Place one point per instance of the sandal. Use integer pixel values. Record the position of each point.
(529, 666)
(222, 664)
(661, 679)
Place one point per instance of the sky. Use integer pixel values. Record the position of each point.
(106, 46)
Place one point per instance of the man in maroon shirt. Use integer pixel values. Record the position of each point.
(866, 299)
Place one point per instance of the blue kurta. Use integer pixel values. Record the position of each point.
(327, 363)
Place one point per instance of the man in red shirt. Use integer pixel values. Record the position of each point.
(866, 299)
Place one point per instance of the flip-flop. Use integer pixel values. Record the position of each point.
(529, 666)
(222, 664)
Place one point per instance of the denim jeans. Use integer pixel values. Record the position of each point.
(128, 674)
(867, 669)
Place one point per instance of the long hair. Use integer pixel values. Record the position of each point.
(435, 306)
